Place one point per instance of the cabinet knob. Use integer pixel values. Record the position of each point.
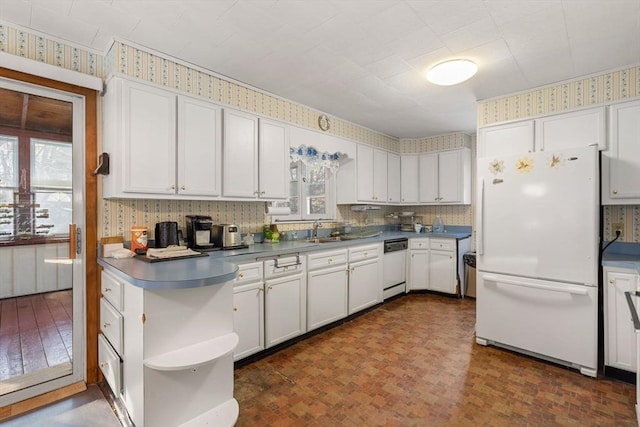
(612, 281)
(615, 191)
(173, 187)
(262, 193)
(257, 193)
(106, 325)
(105, 290)
(270, 288)
(240, 275)
(235, 308)
(104, 364)
(330, 260)
(260, 289)
(183, 188)
(366, 253)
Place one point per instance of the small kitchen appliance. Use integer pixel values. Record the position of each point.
(199, 232)
(226, 236)
(166, 234)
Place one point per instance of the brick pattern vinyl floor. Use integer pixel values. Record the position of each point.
(414, 362)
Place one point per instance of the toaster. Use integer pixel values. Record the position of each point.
(226, 236)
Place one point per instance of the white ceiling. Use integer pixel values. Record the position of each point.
(363, 60)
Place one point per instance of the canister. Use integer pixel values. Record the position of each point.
(138, 237)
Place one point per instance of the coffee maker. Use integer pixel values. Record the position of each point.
(199, 232)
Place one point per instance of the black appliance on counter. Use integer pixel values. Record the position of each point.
(199, 233)
(166, 234)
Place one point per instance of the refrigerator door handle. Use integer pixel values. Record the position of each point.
(480, 224)
(574, 290)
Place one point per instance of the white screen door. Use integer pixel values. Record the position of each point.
(42, 320)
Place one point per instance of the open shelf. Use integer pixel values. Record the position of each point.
(194, 355)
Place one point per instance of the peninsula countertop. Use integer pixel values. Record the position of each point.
(220, 266)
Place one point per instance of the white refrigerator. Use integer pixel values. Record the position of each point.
(537, 242)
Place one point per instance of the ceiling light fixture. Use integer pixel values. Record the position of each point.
(452, 72)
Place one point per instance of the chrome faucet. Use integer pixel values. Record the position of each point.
(316, 224)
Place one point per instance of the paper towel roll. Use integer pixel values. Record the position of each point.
(276, 210)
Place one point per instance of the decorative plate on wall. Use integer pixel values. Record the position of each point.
(323, 122)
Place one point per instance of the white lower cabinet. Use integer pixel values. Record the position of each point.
(620, 337)
(248, 310)
(176, 348)
(435, 264)
(327, 288)
(284, 303)
(365, 277)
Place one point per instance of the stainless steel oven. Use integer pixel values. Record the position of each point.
(394, 266)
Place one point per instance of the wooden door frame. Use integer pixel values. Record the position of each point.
(92, 283)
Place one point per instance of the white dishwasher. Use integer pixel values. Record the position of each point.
(394, 267)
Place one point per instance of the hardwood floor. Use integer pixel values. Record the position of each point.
(414, 362)
(35, 333)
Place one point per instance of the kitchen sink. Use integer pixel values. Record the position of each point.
(324, 239)
(354, 236)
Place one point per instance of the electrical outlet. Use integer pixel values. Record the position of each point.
(617, 226)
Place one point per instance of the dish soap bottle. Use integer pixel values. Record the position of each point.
(438, 225)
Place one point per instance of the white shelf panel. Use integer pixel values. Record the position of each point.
(222, 415)
(194, 355)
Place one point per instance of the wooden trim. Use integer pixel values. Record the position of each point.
(15, 409)
(92, 290)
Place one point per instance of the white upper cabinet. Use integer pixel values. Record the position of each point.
(556, 132)
(199, 147)
(256, 157)
(503, 140)
(160, 143)
(240, 154)
(273, 159)
(409, 179)
(393, 178)
(575, 129)
(621, 161)
(372, 174)
(445, 177)
(428, 172)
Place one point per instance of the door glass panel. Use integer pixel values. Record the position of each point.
(39, 350)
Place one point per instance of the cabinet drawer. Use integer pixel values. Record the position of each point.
(361, 253)
(111, 324)
(110, 365)
(283, 266)
(249, 273)
(112, 290)
(418, 243)
(443, 244)
(326, 259)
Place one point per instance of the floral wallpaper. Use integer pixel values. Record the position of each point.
(602, 89)
(116, 216)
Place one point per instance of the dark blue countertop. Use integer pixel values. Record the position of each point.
(220, 266)
(622, 255)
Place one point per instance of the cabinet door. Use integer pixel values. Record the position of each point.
(365, 173)
(364, 285)
(620, 338)
(379, 176)
(429, 178)
(273, 160)
(240, 155)
(149, 158)
(442, 271)
(199, 147)
(326, 296)
(284, 313)
(569, 130)
(409, 179)
(503, 140)
(621, 162)
(418, 269)
(248, 315)
(450, 176)
(393, 178)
